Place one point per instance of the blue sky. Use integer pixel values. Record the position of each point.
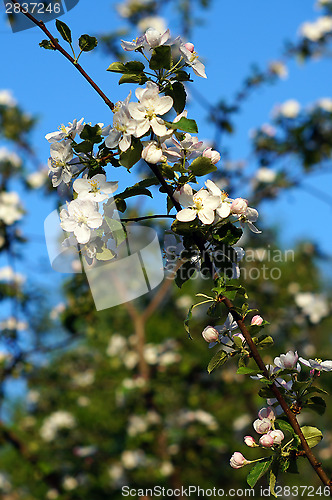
(232, 37)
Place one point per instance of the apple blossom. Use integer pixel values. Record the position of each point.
(191, 58)
(249, 441)
(267, 413)
(200, 204)
(239, 206)
(92, 189)
(226, 328)
(288, 361)
(237, 460)
(289, 109)
(10, 157)
(262, 426)
(7, 99)
(224, 208)
(317, 364)
(152, 152)
(266, 441)
(276, 435)
(80, 217)
(155, 39)
(240, 336)
(66, 132)
(212, 154)
(188, 148)
(146, 110)
(59, 165)
(137, 43)
(10, 207)
(256, 320)
(210, 334)
(123, 128)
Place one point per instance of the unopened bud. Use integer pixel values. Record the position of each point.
(267, 413)
(249, 441)
(266, 441)
(262, 425)
(276, 435)
(190, 46)
(152, 153)
(239, 206)
(212, 154)
(210, 334)
(256, 320)
(237, 460)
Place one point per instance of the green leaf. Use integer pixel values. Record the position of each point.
(130, 67)
(178, 94)
(265, 393)
(218, 360)
(185, 124)
(64, 30)
(258, 471)
(104, 254)
(316, 404)
(285, 426)
(161, 57)
(216, 310)
(228, 233)
(132, 155)
(184, 273)
(87, 42)
(187, 320)
(243, 370)
(117, 67)
(185, 227)
(139, 78)
(83, 147)
(134, 191)
(202, 166)
(118, 233)
(312, 435)
(264, 341)
(47, 44)
(182, 76)
(92, 134)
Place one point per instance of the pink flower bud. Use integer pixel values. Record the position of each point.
(249, 441)
(210, 334)
(239, 335)
(276, 435)
(237, 460)
(262, 425)
(239, 206)
(152, 152)
(190, 46)
(212, 154)
(257, 320)
(266, 441)
(267, 413)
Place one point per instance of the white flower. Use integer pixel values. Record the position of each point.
(325, 103)
(318, 364)
(156, 22)
(37, 179)
(227, 327)
(12, 323)
(81, 217)
(56, 421)
(276, 435)
(265, 175)
(60, 169)
(191, 58)
(146, 110)
(10, 157)
(188, 148)
(6, 98)
(201, 204)
(135, 44)
(155, 39)
(288, 361)
(7, 274)
(123, 128)
(315, 306)
(152, 153)
(10, 207)
(92, 189)
(69, 483)
(66, 132)
(289, 109)
(210, 334)
(133, 458)
(262, 426)
(224, 207)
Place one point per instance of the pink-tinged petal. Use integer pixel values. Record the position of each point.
(165, 37)
(68, 224)
(251, 214)
(128, 46)
(186, 215)
(142, 127)
(110, 187)
(326, 365)
(137, 110)
(253, 228)
(82, 233)
(206, 216)
(158, 127)
(163, 105)
(224, 210)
